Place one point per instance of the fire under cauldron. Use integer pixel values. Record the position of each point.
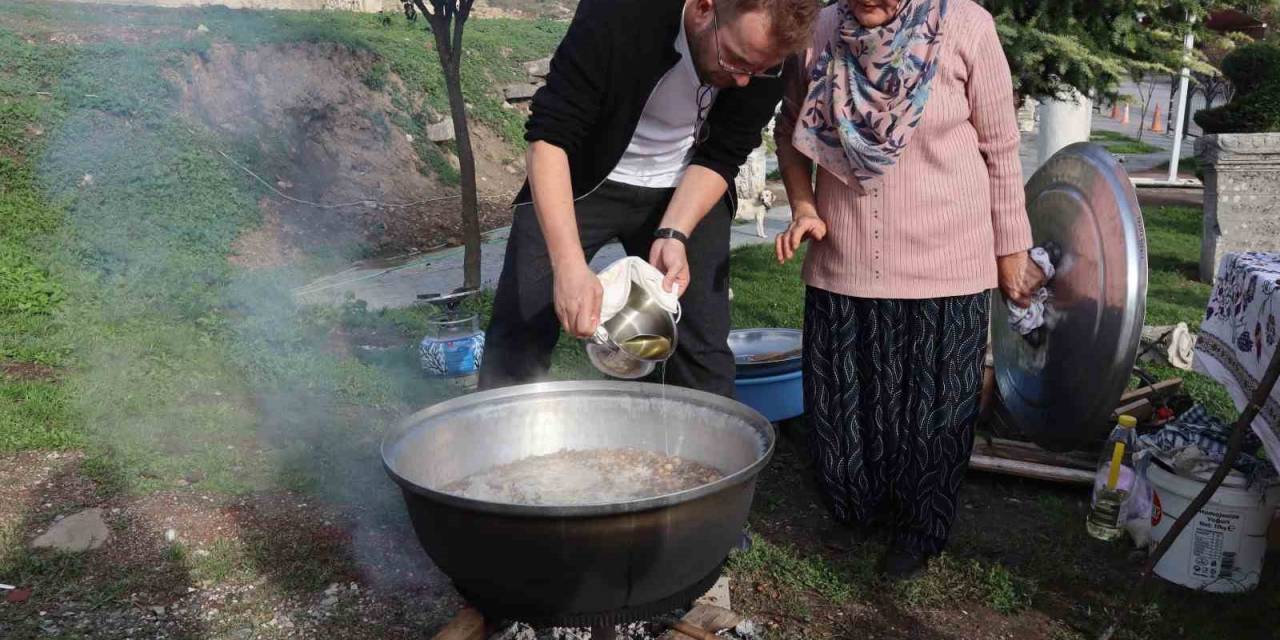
(593, 565)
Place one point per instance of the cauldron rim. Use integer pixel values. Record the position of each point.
(730, 407)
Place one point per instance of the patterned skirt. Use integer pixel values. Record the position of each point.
(891, 392)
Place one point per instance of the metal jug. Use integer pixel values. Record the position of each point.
(631, 343)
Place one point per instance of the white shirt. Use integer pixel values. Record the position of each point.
(660, 148)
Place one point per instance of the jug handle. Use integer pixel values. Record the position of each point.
(601, 335)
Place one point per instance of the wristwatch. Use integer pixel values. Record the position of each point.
(667, 232)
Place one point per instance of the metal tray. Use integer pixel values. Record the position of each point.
(765, 352)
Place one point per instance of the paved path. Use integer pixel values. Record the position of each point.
(397, 284)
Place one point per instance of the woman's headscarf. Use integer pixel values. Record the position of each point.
(868, 90)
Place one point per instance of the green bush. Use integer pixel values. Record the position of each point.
(1255, 71)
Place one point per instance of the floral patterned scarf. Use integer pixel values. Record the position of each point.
(868, 89)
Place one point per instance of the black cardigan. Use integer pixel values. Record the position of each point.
(602, 74)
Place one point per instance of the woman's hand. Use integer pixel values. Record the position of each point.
(1019, 277)
(802, 227)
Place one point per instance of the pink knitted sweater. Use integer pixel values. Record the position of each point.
(951, 204)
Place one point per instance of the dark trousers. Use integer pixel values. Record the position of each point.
(892, 388)
(524, 329)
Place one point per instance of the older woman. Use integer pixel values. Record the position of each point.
(907, 108)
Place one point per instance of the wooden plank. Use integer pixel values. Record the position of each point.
(1027, 452)
(704, 617)
(467, 625)
(718, 595)
(697, 633)
(1157, 390)
(1139, 409)
(1031, 448)
(1030, 470)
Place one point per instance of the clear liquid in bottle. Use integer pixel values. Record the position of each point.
(1104, 517)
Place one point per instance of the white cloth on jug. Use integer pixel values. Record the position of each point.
(618, 278)
(1026, 320)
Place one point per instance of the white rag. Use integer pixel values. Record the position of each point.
(1026, 320)
(618, 278)
(1180, 341)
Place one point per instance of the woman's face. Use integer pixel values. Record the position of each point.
(873, 13)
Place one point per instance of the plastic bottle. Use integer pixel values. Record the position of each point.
(1113, 482)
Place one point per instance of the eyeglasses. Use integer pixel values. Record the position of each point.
(775, 72)
(702, 130)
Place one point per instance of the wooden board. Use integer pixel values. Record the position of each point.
(1157, 390)
(708, 618)
(718, 595)
(467, 625)
(1029, 452)
(1030, 470)
(1139, 409)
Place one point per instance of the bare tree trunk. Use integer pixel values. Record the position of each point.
(1146, 98)
(447, 23)
(467, 169)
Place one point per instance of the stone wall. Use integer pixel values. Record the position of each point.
(1241, 196)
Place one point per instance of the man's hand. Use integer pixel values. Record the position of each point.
(802, 227)
(577, 299)
(668, 256)
(1019, 277)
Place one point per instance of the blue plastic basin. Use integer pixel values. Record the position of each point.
(778, 397)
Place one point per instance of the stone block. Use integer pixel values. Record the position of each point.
(81, 531)
(1241, 196)
(441, 131)
(538, 68)
(520, 91)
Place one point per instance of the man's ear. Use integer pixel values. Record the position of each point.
(702, 9)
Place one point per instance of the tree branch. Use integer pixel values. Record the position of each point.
(460, 21)
(1242, 426)
(1236, 442)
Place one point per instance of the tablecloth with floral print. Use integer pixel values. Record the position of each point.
(1239, 336)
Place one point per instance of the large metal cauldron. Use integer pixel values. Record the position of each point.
(579, 565)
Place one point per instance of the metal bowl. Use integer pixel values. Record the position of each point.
(586, 564)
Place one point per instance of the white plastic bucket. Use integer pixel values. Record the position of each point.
(1221, 550)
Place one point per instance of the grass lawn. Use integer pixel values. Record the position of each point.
(138, 364)
(1120, 144)
(144, 373)
(119, 215)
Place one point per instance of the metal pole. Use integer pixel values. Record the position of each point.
(1182, 105)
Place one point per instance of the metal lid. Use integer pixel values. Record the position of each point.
(1061, 391)
(764, 352)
